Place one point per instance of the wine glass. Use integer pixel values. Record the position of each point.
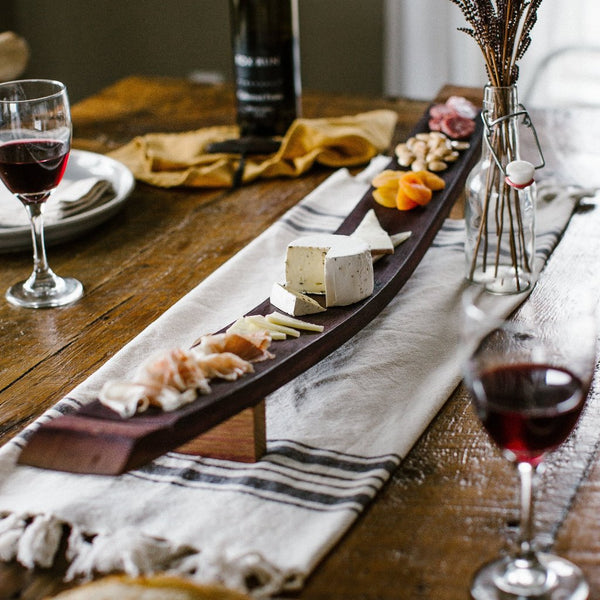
(529, 377)
(35, 141)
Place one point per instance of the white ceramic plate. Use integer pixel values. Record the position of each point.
(81, 165)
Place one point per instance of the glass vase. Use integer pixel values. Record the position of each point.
(499, 216)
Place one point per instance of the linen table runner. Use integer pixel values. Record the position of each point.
(334, 433)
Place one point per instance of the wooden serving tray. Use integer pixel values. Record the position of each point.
(97, 440)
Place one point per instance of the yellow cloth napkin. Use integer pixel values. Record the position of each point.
(180, 159)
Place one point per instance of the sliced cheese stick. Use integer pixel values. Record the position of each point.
(242, 326)
(280, 319)
(263, 322)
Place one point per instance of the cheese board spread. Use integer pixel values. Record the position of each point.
(96, 439)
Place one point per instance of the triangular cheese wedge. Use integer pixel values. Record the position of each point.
(293, 303)
(371, 231)
(399, 238)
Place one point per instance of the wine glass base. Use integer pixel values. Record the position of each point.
(63, 291)
(562, 580)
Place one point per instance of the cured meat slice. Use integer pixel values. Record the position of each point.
(438, 111)
(462, 106)
(457, 127)
(455, 117)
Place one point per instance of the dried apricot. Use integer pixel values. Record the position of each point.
(413, 187)
(405, 189)
(386, 178)
(431, 180)
(386, 196)
(403, 202)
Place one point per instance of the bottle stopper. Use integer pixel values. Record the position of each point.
(519, 174)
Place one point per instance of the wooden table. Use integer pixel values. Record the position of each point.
(452, 501)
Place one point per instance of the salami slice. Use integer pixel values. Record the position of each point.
(435, 124)
(462, 106)
(438, 111)
(457, 127)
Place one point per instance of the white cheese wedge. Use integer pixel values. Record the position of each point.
(371, 231)
(399, 238)
(293, 303)
(338, 266)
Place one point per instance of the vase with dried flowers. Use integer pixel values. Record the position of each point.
(500, 191)
(499, 212)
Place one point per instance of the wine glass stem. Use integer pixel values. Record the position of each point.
(41, 270)
(526, 473)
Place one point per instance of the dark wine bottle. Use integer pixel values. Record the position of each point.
(266, 62)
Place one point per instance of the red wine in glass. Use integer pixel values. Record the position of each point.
(528, 409)
(31, 168)
(35, 139)
(528, 376)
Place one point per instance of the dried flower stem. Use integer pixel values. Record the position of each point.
(502, 30)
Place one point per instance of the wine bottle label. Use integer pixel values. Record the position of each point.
(259, 78)
(260, 85)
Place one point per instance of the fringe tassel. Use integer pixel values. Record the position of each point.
(248, 573)
(126, 551)
(11, 531)
(34, 542)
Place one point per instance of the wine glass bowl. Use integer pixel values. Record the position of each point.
(529, 378)
(35, 141)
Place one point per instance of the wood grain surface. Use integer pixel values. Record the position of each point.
(453, 501)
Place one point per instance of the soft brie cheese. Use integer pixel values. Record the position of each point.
(292, 302)
(338, 266)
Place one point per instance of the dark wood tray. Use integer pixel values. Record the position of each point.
(96, 440)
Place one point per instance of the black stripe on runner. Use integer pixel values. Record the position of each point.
(264, 479)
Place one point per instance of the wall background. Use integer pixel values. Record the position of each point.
(89, 44)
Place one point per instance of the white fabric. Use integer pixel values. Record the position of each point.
(72, 196)
(334, 434)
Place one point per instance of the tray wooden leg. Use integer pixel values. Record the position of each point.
(241, 438)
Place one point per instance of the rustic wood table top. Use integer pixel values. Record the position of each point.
(452, 503)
